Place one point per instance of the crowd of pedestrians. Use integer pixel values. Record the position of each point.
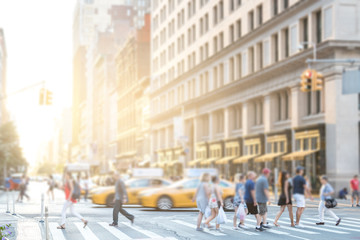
(252, 197)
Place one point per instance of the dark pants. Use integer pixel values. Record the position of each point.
(118, 208)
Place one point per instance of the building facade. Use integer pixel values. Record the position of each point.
(229, 73)
(3, 56)
(132, 72)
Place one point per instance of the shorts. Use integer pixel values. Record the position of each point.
(262, 208)
(300, 200)
(355, 194)
(252, 209)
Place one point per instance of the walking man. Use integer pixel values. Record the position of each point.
(120, 198)
(250, 199)
(262, 195)
(326, 191)
(354, 186)
(300, 189)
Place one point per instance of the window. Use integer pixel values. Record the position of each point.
(293, 39)
(206, 50)
(206, 22)
(279, 106)
(286, 42)
(286, 4)
(238, 28)
(260, 55)
(318, 27)
(231, 33)
(260, 15)
(305, 32)
(219, 118)
(201, 26)
(251, 20)
(309, 103)
(318, 101)
(215, 77)
(251, 60)
(275, 47)
(286, 105)
(232, 5)
(238, 66)
(275, 7)
(221, 75)
(221, 9)
(221, 38)
(266, 52)
(232, 69)
(237, 117)
(215, 45)
(328, 22)
(215, 13)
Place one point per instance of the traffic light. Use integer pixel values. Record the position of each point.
(306, 80)
(48, 97)
(45, 97)
(317, 81)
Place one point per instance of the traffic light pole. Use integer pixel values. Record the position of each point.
(23, 89)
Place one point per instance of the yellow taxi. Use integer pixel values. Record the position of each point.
(105, 195)
(180, 195)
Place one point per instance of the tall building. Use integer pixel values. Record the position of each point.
(3, 57)
(132, 73)
(225, 86)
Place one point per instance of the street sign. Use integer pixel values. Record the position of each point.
(351, 81)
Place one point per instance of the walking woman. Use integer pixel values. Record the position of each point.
(201, 198)
(239, 199)
(285, 198)
(215, 202)
(70, 201)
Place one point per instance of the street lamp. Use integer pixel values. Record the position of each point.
(301, 47)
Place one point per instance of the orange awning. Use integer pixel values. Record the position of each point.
(245, 159)
(297, 155)
(209, 161)
(224, 160)
(267, 157)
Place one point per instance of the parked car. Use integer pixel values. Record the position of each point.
(180, 195)
(105, 195)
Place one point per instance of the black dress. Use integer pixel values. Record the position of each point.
(282, 199)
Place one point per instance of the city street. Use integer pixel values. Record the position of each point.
(174, 224)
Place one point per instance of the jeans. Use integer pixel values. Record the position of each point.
(69, 204)
(118, 208)
(323, 209)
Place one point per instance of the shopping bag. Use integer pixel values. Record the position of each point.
(221, 217)
(240, 214)
(207, 212)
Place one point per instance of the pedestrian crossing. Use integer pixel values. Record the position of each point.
(125, 231)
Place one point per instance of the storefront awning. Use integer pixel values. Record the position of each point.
(224, 160)
(208, 161)
(154, 165)
(298, 155)
(143, 163)
(194, 162)
(268, 157)
(172, 163)
(245, 159)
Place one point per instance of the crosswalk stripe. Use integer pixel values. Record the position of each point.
(57, 234)
(293, 229)
(321, 228)
(143, 231)
(354, 219)
(348, 222)
(270, 230)
(194, 227)
(240, 230)
(116, 232)
(345, 228)
(85, 232)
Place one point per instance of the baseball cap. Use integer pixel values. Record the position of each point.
(298, 168)
(266, 171)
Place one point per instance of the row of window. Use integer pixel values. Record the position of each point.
(279, 46)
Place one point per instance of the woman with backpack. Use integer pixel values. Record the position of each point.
(70, 196)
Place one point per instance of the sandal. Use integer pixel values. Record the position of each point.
(60, 227)
(277, 225)
(85, 223)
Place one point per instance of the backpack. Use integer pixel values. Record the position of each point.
(77, 191)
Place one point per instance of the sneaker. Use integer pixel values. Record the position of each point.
(113, 225)
(243, 226)
(260, 229)
(219, 230)
(338, 222)
(320, 223)
(132, 221)
(357, 205)
(236, 228)
(199, 229)
(267, 226)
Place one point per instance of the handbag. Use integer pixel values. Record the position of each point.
(221, 217)
(330, 203)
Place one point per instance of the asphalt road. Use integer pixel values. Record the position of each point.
(174, 224)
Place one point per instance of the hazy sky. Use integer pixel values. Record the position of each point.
(38, 35)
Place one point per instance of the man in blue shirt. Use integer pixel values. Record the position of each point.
(299, 184)
(262, 195)
(250, 199)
